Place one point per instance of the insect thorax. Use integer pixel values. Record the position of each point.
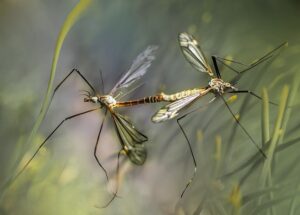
(107, 100)
(220, 86)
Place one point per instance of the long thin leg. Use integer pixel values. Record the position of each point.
(96, 146)
(268, 55)
(251, 93)
(197, 108)
(239, 73)
(191, 150)
(221, 60)
(72, 71)
(259, 61)
(117, 186)
(216, 66)
(47, 138)
(242, 127)
(188, 113)
(189, 144)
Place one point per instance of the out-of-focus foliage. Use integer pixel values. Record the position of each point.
(232, 177)
(69, 22)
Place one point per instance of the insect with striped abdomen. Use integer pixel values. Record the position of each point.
(131, 139)
(216, 86)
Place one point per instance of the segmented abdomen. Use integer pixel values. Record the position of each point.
(182, 94)
(162, 97)
(145, 100)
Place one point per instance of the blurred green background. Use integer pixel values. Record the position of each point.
(65, 179)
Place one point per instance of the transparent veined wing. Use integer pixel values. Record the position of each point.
(131, 139)
(138, 68)
(193, 53)
(172, 110)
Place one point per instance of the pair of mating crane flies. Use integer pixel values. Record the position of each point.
(132, 140)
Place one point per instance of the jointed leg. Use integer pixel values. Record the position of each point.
(242, 127)
(191, 150)
(222, 61)
(259, 61)
(47, 138)
(96, 146)
(83, 78)
(189, 145)
(267, 55)
(251, 93)
(117, 186)
(216, 66)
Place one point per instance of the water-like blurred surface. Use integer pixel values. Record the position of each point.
(64, 178)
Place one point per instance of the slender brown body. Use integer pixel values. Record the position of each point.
(183, 94)
(162, 97)
(145, 100)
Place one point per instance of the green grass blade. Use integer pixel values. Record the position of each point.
(67, 25)
(293, 203)
(294, 91)
(71, 19)
(287, 144)
(276, 134)
(290, 184)
(265, 135)
(277, 201)
(265, 119)
(266, 175)
(291, 99)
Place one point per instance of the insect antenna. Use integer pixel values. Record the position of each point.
(102, 82)
(242, 127)
(86, 93)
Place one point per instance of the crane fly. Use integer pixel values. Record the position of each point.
(194, 55)
(182, 100)
(217, 86)
(131, 139)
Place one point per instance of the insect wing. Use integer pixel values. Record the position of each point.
(131, 139)
(192, 52)
(138, 68)
(172, 110)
